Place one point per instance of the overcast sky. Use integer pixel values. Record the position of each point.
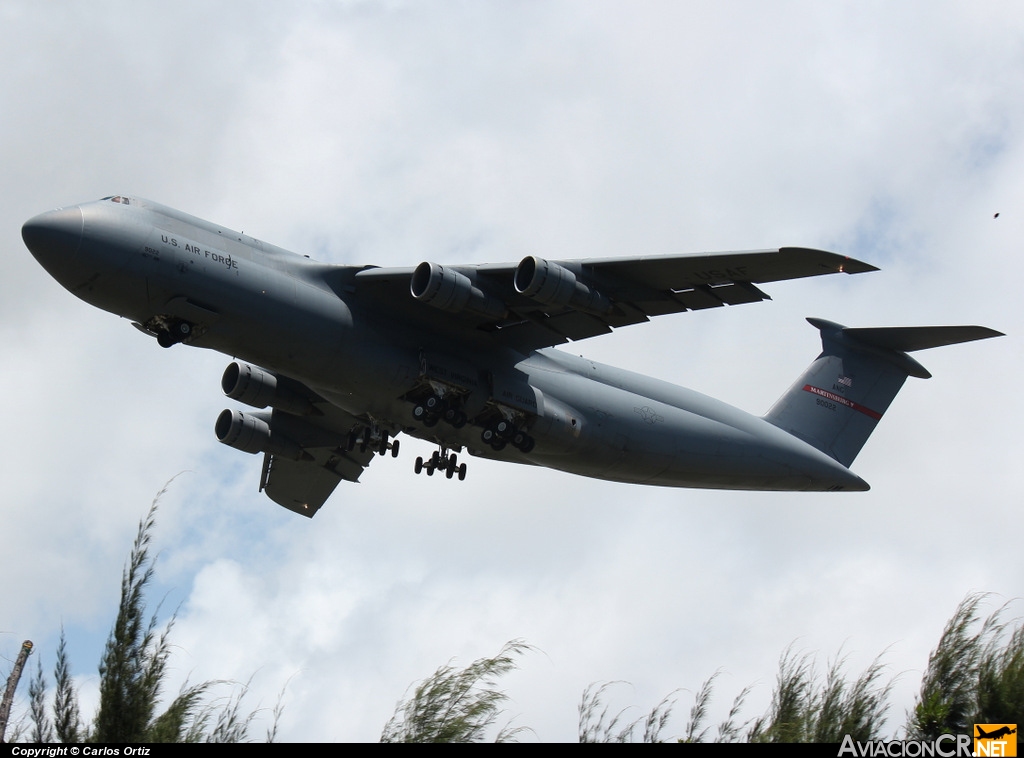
(464, 132)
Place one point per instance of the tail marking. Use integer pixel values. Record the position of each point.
(842, 401)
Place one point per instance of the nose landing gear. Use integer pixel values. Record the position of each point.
(442, 460)
(170, 333)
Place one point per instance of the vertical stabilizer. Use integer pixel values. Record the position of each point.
(843, 394)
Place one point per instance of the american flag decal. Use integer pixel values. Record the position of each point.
(845, 381)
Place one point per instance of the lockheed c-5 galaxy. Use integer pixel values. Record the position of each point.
(348, 357)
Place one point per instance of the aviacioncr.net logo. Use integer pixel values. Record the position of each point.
(944, 746)
(995, 740)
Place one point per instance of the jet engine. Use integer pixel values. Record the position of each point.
(551, 284)
(258, 388)
(447, 289)
(250, 433)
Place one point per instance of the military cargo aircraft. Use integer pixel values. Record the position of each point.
(342, 359)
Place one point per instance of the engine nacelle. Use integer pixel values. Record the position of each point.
(258, 388)
(551, 284)
(447, 289)
(250, 433)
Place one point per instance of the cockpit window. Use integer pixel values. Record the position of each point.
(118, 199)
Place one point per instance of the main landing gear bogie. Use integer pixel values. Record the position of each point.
(364, 438)
(442, 460)
(436, 408)
(504, 432)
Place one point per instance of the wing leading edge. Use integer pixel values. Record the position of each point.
(540, 303)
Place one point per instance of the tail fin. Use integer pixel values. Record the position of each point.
(841, 397)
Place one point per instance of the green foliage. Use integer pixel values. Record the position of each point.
(456, 705)
(806, 710)
(975, 675)
(598, 725)
(1001, 681)
(41, 731)
(803, 709)
(133, 673)
(67, 721)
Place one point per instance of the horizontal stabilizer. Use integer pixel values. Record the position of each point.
(839, 400)
(910, 338)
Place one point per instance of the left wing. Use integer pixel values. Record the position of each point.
(325, 453)
(540, 303)
(309, 444)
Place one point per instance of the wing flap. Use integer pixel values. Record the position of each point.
(576, 325)
(297, 485)
(698, 299)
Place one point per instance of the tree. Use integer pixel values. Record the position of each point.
(975, 675)
(456, 705)
(133, 674)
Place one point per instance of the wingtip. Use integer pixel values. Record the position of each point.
(832, 263)
(854, 266)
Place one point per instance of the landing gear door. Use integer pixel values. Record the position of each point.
(458, 376)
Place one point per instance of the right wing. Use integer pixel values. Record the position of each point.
(539, 303)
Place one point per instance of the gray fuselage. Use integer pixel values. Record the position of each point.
(310, 322)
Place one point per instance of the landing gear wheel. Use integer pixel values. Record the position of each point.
(462, 472)
(523, 441)
(183, 330)
(394, 449)
(166, 339)
(455, 417)
(419, 465)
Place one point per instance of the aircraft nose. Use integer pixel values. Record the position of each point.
(55, 236)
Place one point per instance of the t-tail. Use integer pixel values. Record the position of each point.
(843, 394)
